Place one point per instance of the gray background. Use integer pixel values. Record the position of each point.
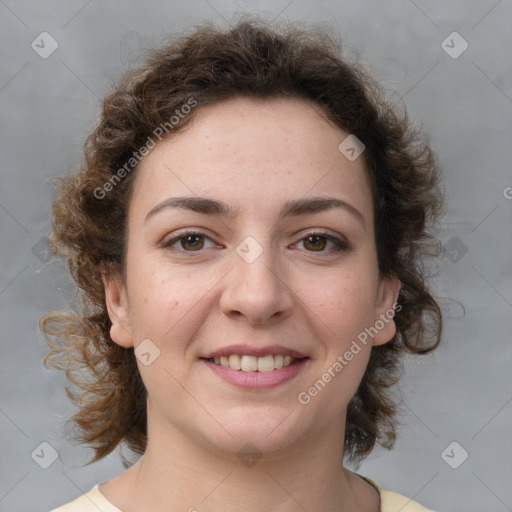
(461, 394)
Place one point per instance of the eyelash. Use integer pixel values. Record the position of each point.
(340, 243)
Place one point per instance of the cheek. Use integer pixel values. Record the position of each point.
(158, 298)
(344, 302)
(340, 314)
(161, 304)
(167, 306)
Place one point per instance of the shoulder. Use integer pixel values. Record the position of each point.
(391, 501)
(91, 501)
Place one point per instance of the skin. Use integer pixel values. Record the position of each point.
(253, 155)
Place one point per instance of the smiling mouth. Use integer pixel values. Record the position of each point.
(247, 363)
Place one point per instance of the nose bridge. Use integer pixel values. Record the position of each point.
(257, 287)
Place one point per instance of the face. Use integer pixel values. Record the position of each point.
(270, 264)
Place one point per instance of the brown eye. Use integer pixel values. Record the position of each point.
(316, 242)
(192, 242)
(188, 242)
(319, 242)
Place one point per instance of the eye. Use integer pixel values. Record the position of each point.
(194, 241)
(318, 241)
(189, 241)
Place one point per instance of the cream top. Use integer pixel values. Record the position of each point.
(94, 501)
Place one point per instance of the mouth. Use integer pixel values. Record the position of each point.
(253, 368)
(248, 363)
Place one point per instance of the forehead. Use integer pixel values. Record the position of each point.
(253, 152)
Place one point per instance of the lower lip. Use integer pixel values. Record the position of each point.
(257, 380)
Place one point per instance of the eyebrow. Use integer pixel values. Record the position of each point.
(292, 208)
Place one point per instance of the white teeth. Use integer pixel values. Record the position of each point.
(246, 363)
(235, 361)
(266, 364)
(249, 363)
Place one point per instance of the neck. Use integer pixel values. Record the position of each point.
(178, 473)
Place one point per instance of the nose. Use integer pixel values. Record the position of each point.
(257, 290)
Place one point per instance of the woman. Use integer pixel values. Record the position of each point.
(247, 232)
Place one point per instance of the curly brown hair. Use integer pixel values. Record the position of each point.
(252, 59)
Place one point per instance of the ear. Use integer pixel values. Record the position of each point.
(117, 307)
(384, 323)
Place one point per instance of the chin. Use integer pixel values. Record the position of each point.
(262, 429)
(252, 445)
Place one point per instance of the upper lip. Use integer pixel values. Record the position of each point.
(251, 350)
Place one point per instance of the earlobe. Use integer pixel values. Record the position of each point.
(117, 307)
(385, 310)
